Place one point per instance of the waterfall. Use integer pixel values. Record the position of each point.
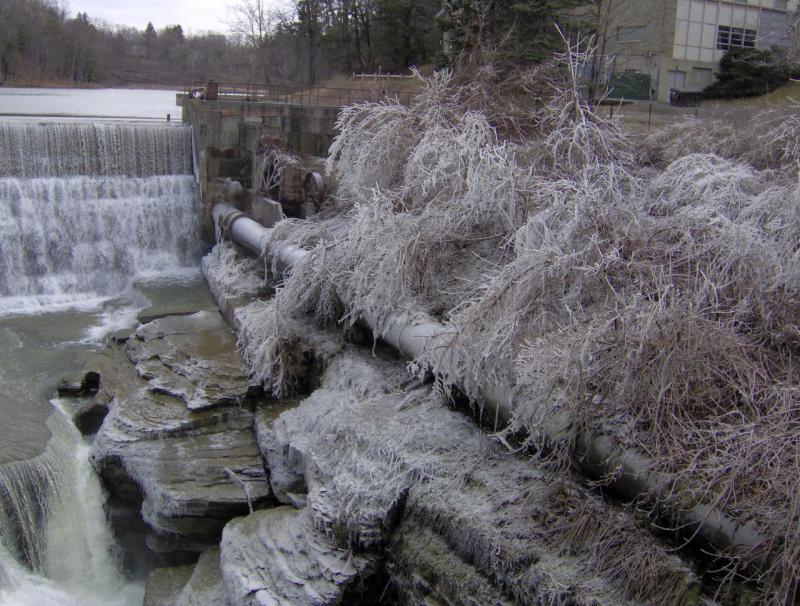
(55, 544)
(126, 150)
(26, 490)
(85, 208)
(91, 234)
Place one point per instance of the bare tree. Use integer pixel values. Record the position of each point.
(253, 23)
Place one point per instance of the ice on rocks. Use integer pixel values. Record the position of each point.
(233, 279)
(385, 465)
(276, 557)
(185, 470)
(287, 355)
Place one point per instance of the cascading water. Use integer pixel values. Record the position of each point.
(125, 150)
(85, 211)
(55, 546)
(68, 235)
(90, 235)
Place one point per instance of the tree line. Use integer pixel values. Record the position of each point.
(310, 39)
(41, 44)
(299, 42)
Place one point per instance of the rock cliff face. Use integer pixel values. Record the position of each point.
(177, 448)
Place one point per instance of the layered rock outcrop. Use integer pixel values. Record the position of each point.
(452, 517)
(198, 585)
(277, 556)
(177, 448)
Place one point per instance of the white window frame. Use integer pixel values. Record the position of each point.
(735, 37)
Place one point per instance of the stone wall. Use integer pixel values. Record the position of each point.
(227, 135)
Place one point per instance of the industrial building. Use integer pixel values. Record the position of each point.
(651, 47)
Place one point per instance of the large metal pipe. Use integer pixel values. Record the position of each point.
(633, 475)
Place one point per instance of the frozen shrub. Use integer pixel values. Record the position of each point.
(765, 139)
(646, 293)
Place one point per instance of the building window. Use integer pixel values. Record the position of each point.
(735, 37)
(781, 4)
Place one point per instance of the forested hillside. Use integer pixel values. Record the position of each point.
(298, 42)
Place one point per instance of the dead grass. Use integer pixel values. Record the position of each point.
(645, 291)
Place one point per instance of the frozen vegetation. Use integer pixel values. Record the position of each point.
(642, 289)
(388, 471)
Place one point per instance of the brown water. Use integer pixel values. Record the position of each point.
(38, 350)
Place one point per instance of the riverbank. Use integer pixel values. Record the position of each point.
(618, 305)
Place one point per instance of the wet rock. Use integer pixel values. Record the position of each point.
(99, 371)
(186, 468)
(287, 475)
(164, 584)
(205, 587)
(196, 584)
(157, 312)
(194, 471)
(121, 335)
(130, 534)
(192, 358)
(86, 382)
(89, 417)
(277, 557)
(69, 387)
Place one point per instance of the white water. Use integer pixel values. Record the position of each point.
(63, 539)
(60, 150)
(85, 208)
(83, 237)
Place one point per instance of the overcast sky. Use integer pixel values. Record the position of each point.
(193, 15)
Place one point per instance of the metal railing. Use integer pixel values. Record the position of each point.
(378, 77)
(290, 95)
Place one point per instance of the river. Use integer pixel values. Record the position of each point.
(98, 219)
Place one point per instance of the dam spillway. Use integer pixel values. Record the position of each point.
(85, 208)
(124, 150)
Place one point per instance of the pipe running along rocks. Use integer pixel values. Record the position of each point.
(630, 473)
